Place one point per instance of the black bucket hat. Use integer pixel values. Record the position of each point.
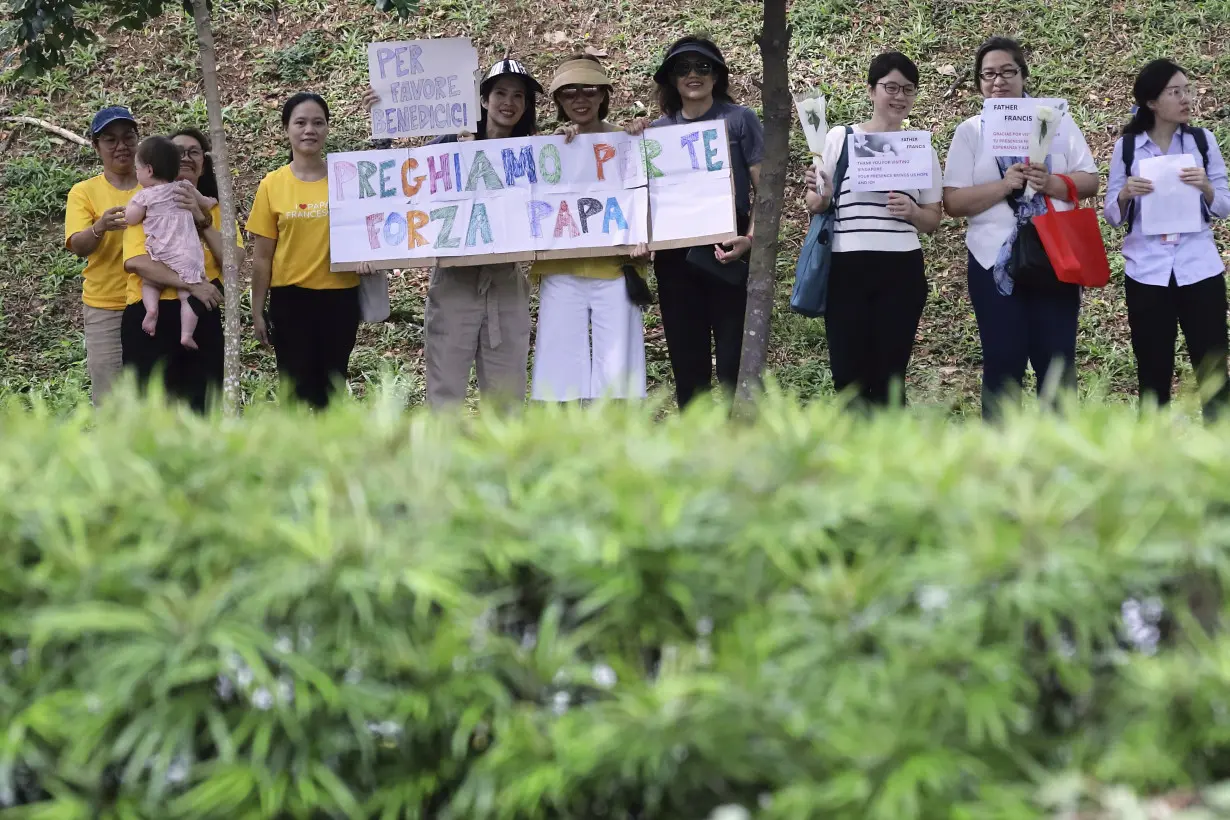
(662, 75)
(508, 68)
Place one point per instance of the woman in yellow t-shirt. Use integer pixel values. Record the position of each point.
(313, 312)
(591, 334)
(94, 230)
(194, 376)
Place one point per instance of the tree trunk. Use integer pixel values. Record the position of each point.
(226, 199)
(774, 42)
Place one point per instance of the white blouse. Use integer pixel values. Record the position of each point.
(969, 165)
(863, 221)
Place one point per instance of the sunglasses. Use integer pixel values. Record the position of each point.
(683, 68)
(571, 92)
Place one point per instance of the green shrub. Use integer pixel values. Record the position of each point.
(35, 190)
(592, 614)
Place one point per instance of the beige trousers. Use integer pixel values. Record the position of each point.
(477, 316)
(104, 355)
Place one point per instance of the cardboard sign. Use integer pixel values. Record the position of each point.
(426, 87)
(1008, 123)
(891, 161)
(531, 198)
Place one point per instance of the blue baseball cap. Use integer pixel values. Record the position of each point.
(110, 114)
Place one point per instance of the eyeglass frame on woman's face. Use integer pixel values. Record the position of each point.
(571, 92)
(1008, 73)
(111, 142)
(892, 89)
(682, 68)
(1178, 92)
(193, 152)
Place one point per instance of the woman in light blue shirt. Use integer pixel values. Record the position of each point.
(1173, 280)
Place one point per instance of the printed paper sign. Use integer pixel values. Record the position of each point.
(896, 161)
(426, 87)
(1008, 123)
(525, 197)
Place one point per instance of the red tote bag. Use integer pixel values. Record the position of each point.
(1073, 242)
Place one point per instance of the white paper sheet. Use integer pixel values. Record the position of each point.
(1174, 206)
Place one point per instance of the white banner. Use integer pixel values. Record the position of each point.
(1008, 123)
(894, 161)
(531, 197)
(426, 87)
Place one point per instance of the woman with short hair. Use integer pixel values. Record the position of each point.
(878, 282)
(1017, 325)
(94, 230)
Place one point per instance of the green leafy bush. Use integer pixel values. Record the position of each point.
(595, 615)
(34, 191)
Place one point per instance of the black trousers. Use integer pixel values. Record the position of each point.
(313, 335)
(875, 301)
(192, 376)
(1155, 313)
(702, 317)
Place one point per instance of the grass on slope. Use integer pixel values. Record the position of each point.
(1083, 50)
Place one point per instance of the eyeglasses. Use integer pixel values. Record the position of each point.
(1177, 91)
(683, 68)
(192, 153)
(571, 92)
(990, 76)
(893, 89)
(111, 141)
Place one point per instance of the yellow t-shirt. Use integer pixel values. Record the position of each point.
(104, 268)
(295, 214)
(134, 246)
(594, 267)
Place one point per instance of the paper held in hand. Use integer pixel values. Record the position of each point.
(897, 161)
(811, 108)
(1008, 124)
(1174, 206)
(426, 87)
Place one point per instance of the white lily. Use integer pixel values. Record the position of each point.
(811, 107)
(1046, 125)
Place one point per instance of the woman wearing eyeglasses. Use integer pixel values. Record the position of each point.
(878, 283)
(94, 230)
(591, 333)
(1172, 280)
(193, 376)
(1017, 326)
(702, 313)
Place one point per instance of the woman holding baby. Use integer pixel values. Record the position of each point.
(154, 334)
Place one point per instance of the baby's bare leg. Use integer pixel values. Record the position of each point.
(149, 298)
(187, 321)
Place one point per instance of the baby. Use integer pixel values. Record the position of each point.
(170, 232)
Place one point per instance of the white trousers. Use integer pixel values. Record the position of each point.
(591, 341)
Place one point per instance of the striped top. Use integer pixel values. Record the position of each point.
(863, 221)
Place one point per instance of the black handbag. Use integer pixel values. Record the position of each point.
(732, 273)
(1028, 265)
(636, 286)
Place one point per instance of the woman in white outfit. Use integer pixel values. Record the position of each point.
(591, 334)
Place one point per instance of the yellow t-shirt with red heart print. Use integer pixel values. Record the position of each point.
(295, 214)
